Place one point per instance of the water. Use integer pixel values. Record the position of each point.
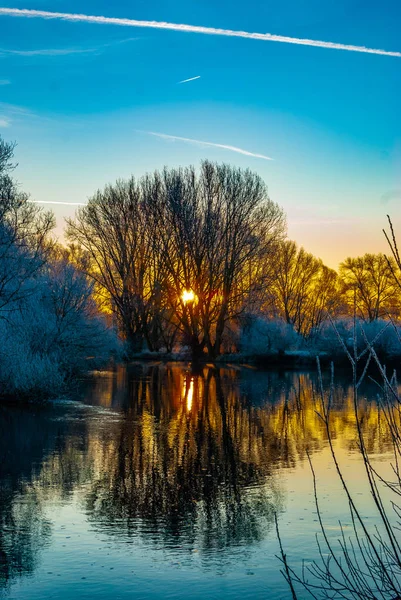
(163, 483)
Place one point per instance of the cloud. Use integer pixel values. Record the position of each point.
(62, 51)
(14, 109)
(15, 113)
(390, 195)
(46, 51)
(190, 79)
(5, 82)
(174, 138)
(12, 112)
(54, 202)
(267, 37)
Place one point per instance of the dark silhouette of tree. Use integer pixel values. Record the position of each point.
(178, 231)
(116, 233)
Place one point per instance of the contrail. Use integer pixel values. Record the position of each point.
(267, 37)
(201, 143)
(54, 202)
(190, 79)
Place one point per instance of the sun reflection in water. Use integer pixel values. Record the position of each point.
(189, 392)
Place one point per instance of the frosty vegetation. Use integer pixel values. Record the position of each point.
(50, 326)
(186, 262)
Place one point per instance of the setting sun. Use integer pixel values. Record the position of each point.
(188, 296)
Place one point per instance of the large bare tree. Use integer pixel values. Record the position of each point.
(178, 250)
(212, 227)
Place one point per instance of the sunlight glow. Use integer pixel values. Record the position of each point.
(188, 296)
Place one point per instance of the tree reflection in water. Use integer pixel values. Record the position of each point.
(27, 438)
(184, 460)
(184, 466)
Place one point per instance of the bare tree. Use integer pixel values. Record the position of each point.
(176, 251)
(394, 265)
(304, 289)
(212, 228)
(24, 235)
(116, 232)
(368, 281)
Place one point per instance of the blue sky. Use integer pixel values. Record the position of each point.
(81, 98)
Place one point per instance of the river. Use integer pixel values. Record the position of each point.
(158, 481)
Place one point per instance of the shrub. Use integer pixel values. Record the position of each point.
(261, 336)
(55, 334)
(385, 335)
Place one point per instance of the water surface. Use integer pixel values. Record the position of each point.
(161, 482)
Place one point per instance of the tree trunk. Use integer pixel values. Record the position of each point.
(134, 342)
(220, 326)
(196, 348)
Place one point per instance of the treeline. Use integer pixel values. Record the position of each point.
(182, 258)
(201, 259)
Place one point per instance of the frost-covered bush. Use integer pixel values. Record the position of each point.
(22, 371)
(53, 334)
(25, 245)
(260, 336)
(385, 337)
(326, 338)
(49, 326)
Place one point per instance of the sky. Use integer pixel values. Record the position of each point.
(89, 101)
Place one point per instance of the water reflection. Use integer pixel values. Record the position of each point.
(182, 468)
(185, 461)
(27, 439)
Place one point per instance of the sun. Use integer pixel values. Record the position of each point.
(188, 296)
